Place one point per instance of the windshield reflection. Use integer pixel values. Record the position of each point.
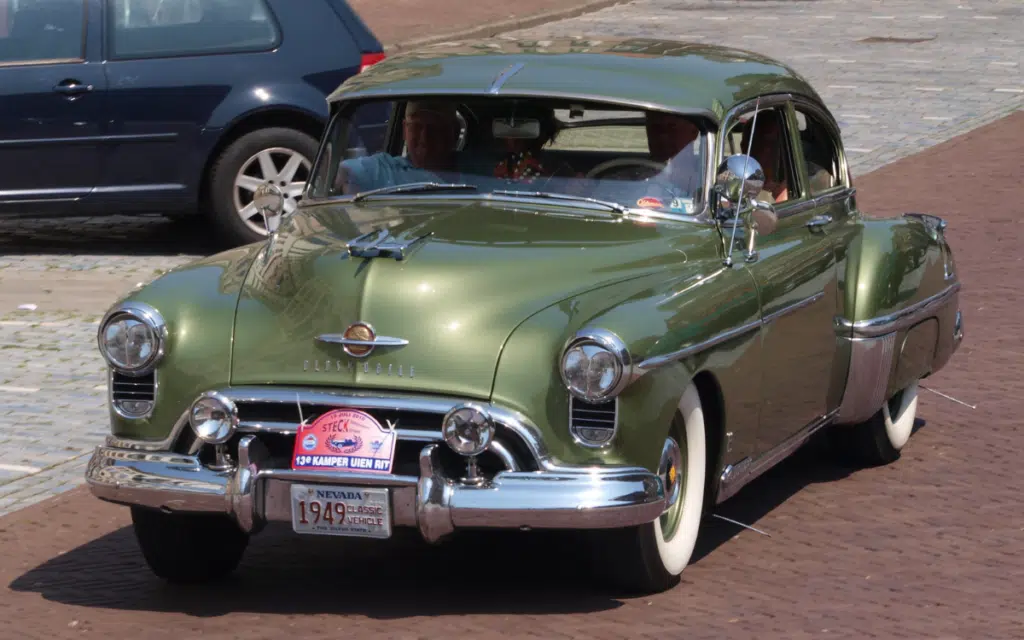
(583, 152)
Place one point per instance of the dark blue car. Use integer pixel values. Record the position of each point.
(168, 106)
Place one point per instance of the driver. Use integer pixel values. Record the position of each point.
(431, 130)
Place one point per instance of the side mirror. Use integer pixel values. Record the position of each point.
(736, 173)
(269, 201)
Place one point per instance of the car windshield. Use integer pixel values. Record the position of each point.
(567, 151)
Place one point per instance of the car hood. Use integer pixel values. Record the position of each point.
(478, 270)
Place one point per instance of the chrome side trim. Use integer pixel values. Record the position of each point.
(662, 360)
(796, 306)
(503, 77)
(867, 378)
(901, 319)
(737, 476)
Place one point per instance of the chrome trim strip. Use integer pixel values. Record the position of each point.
(503, 77)
(737, 476)
(901, 319)
(796, 306)
(867, 377)
(662, 360)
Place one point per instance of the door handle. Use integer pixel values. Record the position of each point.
(72, 87)
(819, 221)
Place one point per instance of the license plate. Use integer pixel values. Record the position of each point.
(331, 510)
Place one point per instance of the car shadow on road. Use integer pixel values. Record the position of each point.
(490, 573)
(143, 235)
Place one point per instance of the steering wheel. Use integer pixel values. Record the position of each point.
(627, 168)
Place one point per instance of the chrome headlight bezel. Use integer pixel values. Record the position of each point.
(149, 317)
(611, 343)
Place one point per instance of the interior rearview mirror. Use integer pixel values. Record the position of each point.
(516, 128)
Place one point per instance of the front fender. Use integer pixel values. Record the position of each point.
(659, 318)
(197, 302)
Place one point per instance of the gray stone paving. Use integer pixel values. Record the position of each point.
(892, 98)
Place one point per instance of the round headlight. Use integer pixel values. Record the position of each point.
(131, 338)
(213, 418)
(594, 366)
(468, 430)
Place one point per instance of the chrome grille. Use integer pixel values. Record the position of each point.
(593, 424)
(133, 397)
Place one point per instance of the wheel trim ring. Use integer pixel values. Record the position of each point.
(305, 165)
(673, 457)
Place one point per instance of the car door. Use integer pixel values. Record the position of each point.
(51, 103)
(795, 272)
(170, 65)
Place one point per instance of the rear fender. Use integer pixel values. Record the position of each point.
(901, 303)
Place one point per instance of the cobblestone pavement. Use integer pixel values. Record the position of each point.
(931, 546)
(901, 75)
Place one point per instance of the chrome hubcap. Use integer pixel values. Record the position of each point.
(671, 471)
(286, 170)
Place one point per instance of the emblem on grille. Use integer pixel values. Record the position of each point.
(359, 340)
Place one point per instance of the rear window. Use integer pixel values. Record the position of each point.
(165, 28)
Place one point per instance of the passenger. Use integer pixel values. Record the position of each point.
(431, 130)
(768, 151)
(521, 162)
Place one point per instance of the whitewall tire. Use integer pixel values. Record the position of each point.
(651, 557)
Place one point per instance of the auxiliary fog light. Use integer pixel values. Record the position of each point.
(467, 430)
(213, 418)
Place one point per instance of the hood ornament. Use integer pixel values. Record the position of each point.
(381, 243)
(359, 340)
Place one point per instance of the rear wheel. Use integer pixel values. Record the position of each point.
(188, 548)
(651, 557)
(279, 157)
(879, 440)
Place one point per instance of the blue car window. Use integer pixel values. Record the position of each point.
(41, 30)
(147, 29)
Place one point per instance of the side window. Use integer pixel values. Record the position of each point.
(155, 28)
(33, 31)
(769, 148)
(820, 157)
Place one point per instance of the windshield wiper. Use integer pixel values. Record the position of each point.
(413, 187)
(614, 206)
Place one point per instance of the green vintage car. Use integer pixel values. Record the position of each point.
(597, 285)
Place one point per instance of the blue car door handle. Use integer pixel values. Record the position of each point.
(72, 87)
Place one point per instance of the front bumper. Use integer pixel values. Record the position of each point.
(554, 498)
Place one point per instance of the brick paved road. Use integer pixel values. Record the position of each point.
(931, 546)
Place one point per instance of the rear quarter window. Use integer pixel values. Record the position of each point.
(167, 28)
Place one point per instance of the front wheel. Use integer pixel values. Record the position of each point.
(651, 557)
(188, 548)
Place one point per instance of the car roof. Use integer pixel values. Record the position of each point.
(684, 77)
